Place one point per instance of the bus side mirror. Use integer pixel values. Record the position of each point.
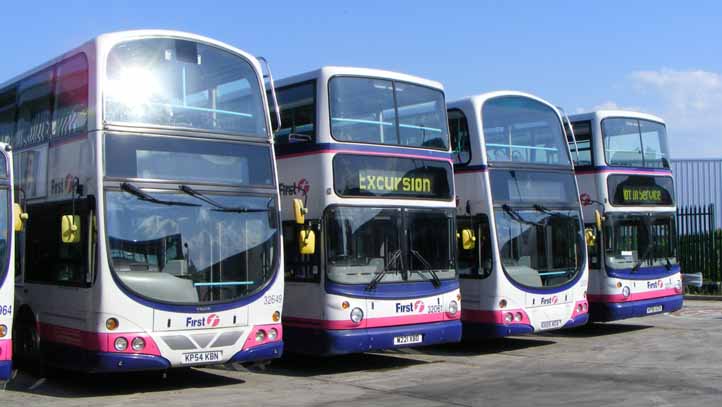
(299, 211)
(598, 219)
(590, 237)
(468, 239)
(70, 229)
(306, 241)
(19, 217)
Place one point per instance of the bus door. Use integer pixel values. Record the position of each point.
(302, 271)
(59, 260)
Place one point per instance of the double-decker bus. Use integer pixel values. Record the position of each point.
(144, 160)
(11, 219)
(627, 191)
(367, 194)
(521, 249)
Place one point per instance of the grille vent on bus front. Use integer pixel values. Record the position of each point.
(182, 342)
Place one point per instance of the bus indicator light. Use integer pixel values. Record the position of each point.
(345, 305)
(3, 331)
(111, 324)
(276, 316)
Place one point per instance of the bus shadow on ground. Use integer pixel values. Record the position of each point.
(480, 347)
(73, 385)
(307, 366)
(596, 329)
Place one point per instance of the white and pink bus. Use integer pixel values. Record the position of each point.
(627, 191)
(11, 219)
(522, 260)
(367, 194)
(145, 162)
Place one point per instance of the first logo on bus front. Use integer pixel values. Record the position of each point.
(211, 321)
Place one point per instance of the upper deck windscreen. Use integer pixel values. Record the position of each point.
(632, 142)
(522, 130)
(381, 111)
(184, 84)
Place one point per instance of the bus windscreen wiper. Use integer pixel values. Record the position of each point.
(396, 256)
(544, 209)
(134, 190)
(434, 277)
(515, 215)
(219, 207)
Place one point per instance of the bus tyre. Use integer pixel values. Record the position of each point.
(27, 346)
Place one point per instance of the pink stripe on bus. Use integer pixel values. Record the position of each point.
(95, 341)
(6, 349)
(647, 295)
(369, 322)
(493, 316)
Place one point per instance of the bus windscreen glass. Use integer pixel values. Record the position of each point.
(176, 248)
(635, 143)
(522, 130)
(178, 83)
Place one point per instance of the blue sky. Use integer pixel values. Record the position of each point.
(645, 55)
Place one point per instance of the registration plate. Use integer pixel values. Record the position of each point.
(555, 323)
(202, 357)
(408, 339)
(653, 309)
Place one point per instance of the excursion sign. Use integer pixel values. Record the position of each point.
(391, 177)
(638, 190)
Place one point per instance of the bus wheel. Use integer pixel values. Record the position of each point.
(27, 347)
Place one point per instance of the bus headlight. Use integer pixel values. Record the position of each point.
(357, 315)
(678, 285)
(453, 307)
(3, 331)
(626, 291)
(508, 317)
(518, 317)
(138, 344)
(260, 335)
(121, 344)
(272, 334)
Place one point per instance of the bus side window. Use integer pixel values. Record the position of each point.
(300, 267)
(474, 263)
(298, 112)
(583, 135)
(459, 132)
(49, 260)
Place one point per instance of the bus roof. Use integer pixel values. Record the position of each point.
(326, 72)
(603, 114)
(106, 40)
(479, 99)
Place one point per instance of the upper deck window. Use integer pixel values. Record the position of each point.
(635, 143)
(184, 84)
(523, 130)
(380, 111)
(298, 107)
(582, 151)
(459, 131)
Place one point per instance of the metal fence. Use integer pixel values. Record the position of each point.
(699, 242)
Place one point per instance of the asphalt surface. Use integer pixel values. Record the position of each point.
(663, 360)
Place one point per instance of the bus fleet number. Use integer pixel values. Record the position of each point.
(6, 310)
(273, 299)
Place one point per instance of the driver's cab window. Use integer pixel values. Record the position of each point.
(459, 132)
(474, 262)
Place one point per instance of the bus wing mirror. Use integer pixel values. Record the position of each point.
(306, 241)
(70, 228)
(468, 239)
(598, 219)
(299, 211)
(19, 217)
(590, 237)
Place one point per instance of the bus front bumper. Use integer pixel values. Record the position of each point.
(324, 342)
(613, 311)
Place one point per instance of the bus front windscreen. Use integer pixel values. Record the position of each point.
(382, 111)
(538, 227)
(634, 241)
(366, 244)
(172, 247)
(632, 142)
(183, 84)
